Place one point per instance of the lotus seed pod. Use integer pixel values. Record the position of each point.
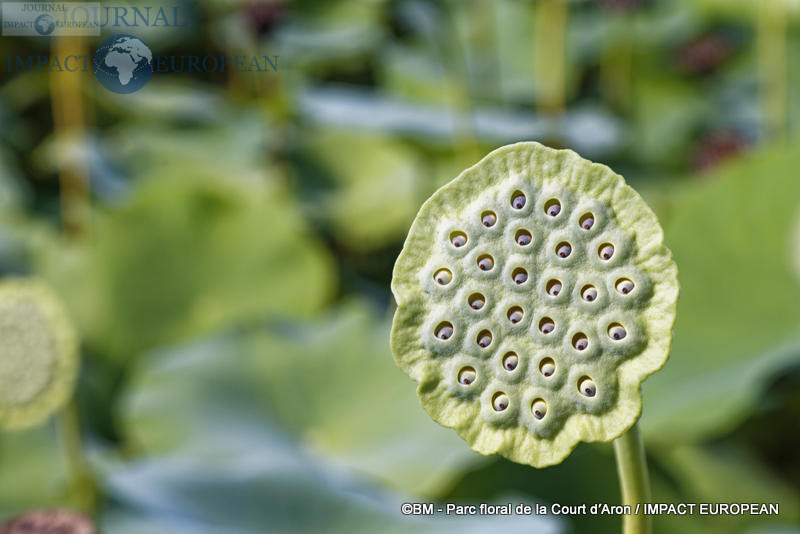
(560, 302)
(38, 353)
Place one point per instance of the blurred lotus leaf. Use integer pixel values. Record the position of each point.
(172, 101)
(667, 112)
(725, 474)
(330, 382)
(230, 150)
(738, 317)
(326, 32)
(184, 256)
(589, 129)
(37, 475)
(38, 353)
(428, 83)
(375, 183)
(269, 483)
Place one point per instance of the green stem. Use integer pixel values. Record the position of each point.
(632, 470)
(772, 58)
(82, 485)
(550, 55)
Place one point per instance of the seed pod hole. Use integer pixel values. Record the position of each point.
(467, 376)
(444, 330)
(547, 367)
(546, 325)
(606, 251)
(552, 207)
(586, 221)
(523, 238)
(539, 408)
(563, 249)
(624, 286)
(587, 386)
(488, 218)
(518, 200)
(476, 301)
(458, 239)
(580, 341)
(485, 262)
(500, 401)
(616, 331)
(510, 361)
(443, 277)
(554, 287)
(484, 339)
(589, 293)
(520, 275)
(515, 314)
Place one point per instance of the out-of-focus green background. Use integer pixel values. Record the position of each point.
(225, 244)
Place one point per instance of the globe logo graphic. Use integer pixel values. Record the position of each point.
(123, 64)
(44, 24)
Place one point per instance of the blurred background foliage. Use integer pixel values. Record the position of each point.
(225, 243)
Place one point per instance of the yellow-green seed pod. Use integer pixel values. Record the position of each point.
(560, 300)
(38, 353)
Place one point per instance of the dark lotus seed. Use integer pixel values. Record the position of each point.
(458, 239)
(485, 263)
(587, 221)
(476, 301)
(467, 376)
(624, 286)
(500, 402)
(515, 314)
(444, 331)
(523, 238)
(580, 342)
(617, 332)
(518, 201)
(520, 276)
(539, 408)
(484, 339)
(587, 387)
(547, 367)
(510, 361)
(488, 219)
(563, 250)
(552, 208)
(546, 325)
(443, 277)
(589, 293)
(554, 288)
(606, 251)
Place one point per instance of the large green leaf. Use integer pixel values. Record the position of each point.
(738, 315)
(330, 382)
(185, 256)
(725, 474)
(375, 186)
(270, 484)
(32, 470)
